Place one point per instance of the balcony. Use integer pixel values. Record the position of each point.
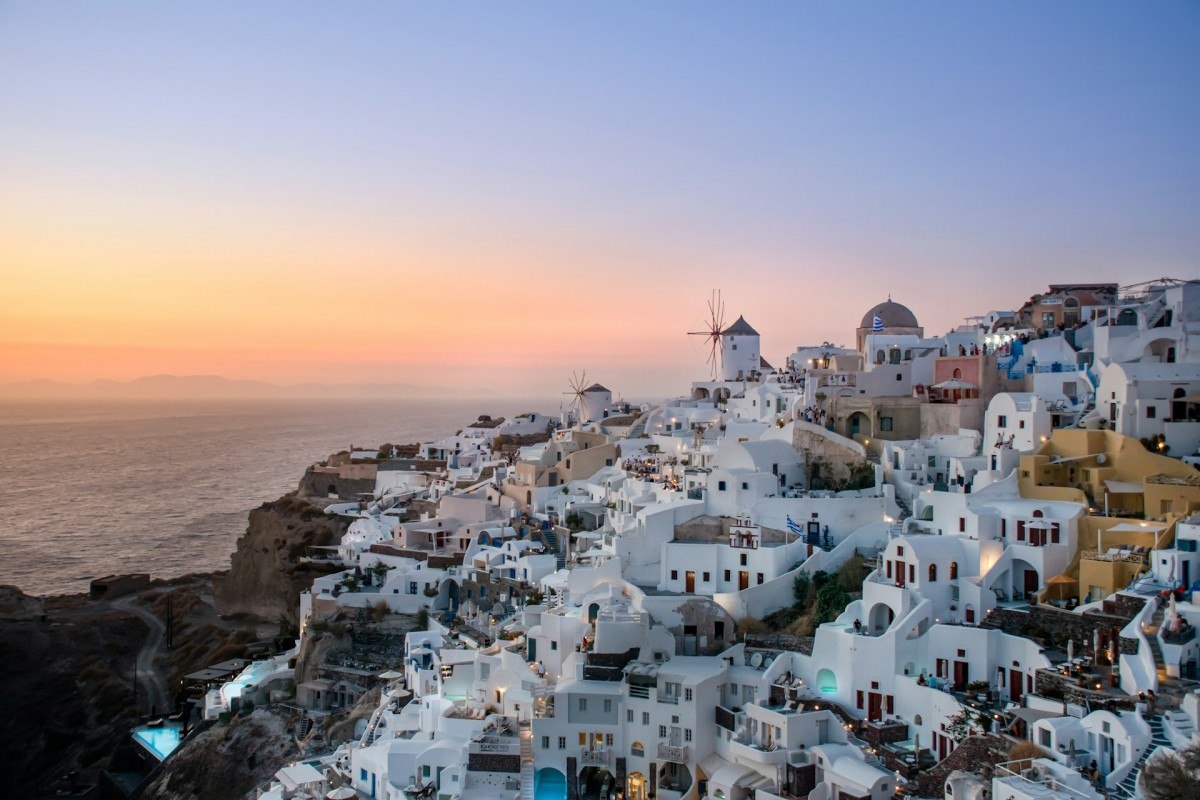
(758, 753)
(1179, 637)
(674, 753)
(670, 699)
(595, 756)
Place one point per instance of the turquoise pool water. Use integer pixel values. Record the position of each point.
(160, 741)
(549, 784)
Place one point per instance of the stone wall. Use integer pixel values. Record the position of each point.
(1051, 683)
(1057, 626)
(780, 641)
(318, 481)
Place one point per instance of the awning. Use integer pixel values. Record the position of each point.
(1124, 487)
(734, 775)
(954, 383)
(1032, 715)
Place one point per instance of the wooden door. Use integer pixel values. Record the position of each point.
(743, 580)
(961, 675)
(1015, 683)
(690, 582)
(874, 706)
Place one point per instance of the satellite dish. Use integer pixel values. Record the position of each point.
(1103, 457)
(756, 660)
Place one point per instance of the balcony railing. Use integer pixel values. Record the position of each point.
(672, 699)
(596, 756)
(677, 754)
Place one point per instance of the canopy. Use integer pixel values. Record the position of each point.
(954, 383)
(341, 793)
(1123, 487)
(391, 675)
(1062, 579)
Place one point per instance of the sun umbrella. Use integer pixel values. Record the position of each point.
(341, 793)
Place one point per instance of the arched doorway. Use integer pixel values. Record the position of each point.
(880, 619)
(635, 788)
(593, 612)
(827, 682)
(859, 424)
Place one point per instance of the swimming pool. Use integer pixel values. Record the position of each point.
(162, 740)
(549, 784)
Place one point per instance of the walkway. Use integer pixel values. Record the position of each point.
(154, 691)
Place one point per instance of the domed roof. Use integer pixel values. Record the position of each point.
(893, 315)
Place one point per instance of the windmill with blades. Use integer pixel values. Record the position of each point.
(733, 352)
(589, 402)
(713, 327)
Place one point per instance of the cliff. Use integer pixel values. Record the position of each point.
(268, 570)
(227, 762)
(65, 685)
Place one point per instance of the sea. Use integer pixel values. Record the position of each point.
(96, 488)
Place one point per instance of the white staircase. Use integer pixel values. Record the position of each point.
(526, 737)
(372, 731)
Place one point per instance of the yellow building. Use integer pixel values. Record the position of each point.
(1135, 498)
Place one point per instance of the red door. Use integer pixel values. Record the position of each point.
(1015, 680)
(874, 706)
(961, 672)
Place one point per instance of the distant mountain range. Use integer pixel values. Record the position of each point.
(214, 387)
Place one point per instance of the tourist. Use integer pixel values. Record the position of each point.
(857, 626)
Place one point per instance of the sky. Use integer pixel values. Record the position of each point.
(493, 195)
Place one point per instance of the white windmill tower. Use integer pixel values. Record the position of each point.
(589, 402)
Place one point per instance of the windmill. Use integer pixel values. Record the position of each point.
(578, 384)
(714, 326)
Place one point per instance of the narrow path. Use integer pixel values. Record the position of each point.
(154, 693)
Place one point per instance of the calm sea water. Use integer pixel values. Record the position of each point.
(89, 489)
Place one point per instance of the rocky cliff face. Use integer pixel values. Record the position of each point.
(267, 571)
(65, 685)
(227, 762)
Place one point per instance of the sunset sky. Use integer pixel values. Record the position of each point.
(494, 194)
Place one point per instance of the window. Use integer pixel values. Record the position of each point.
(636, 749)
(726, 575)
(1151, 412)
(953, 570)
(362, 774)
(1021, 424)
(706, 577)
(545, 742)
(607, 706)
(553, 644)
(687, 695)
(662, 731)
(760, 577)
(933, 573)
(885, 423)
(859, 699)
(1001, 421)
(562, 743)
(742, 560)
(583, 704)
(608, 739)
(687, 734)
(720, 486)
(645, 717)
(629, 715)
(962, 524)
(745, 486)
(674, 574)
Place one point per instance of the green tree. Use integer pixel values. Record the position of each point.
(800, 588)
(832, 600)
(423, 619)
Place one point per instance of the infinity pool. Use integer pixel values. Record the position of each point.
(161, 741)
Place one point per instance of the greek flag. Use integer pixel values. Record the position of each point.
(877, 324)
(793, 527)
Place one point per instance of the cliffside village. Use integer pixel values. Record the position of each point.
(957, 566)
